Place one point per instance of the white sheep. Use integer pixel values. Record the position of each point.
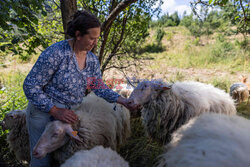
(96, 157)
(209, 140)
(168, 106)
(239, 92)
(18, 137)
(100, 123)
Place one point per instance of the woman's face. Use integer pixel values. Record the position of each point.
(88, 41)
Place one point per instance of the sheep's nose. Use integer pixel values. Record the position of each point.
(130, 101)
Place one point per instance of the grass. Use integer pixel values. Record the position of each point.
(244, 109)
(220, 52)
(140, 151)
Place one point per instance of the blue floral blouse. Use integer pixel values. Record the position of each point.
(56, 78)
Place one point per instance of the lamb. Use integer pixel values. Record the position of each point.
(100, 123)
(96, 157)
(165, 107)
(18, 137)
(209, 140)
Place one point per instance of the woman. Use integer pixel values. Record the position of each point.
(60, 77)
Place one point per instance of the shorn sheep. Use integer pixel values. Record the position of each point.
(165, 107)
(100, 123)
(209, 140)
(96, 157)
(18, 137)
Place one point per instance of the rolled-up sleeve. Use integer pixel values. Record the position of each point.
(100, 88)
(39, 76)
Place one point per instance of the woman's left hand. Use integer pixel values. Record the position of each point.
(130, 105)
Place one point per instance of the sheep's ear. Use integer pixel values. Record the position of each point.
(72, 133)
(164, 87)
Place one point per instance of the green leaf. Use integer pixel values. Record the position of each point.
(236, 17)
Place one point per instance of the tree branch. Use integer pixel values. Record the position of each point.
(244, 13)
(116, 45)
(121, 6)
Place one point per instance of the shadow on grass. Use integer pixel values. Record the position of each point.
(244, 109)
(152, 48)
(140, 151)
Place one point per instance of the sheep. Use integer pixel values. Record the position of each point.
(100, 123)
(239, 92)
(209, 140)
(165, 107)
(96, 157)
(18, 137)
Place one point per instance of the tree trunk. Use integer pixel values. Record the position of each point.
(108, 23)
(68, 8)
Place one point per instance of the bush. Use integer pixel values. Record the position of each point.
(222, 48)
(159, 35)
(152, 48)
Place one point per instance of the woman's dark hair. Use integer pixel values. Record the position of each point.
(82, 21)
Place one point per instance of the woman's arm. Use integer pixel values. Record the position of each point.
(39, 76)
(102, 90)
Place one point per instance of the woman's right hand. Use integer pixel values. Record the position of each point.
(64, 115)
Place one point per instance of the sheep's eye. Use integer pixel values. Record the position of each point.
(55, 134)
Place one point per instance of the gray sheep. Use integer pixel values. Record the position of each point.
(18, 137)
(165, 107)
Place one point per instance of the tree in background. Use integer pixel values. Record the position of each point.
(19, 21)
(125, 25)
(167, 20)
(236, 11)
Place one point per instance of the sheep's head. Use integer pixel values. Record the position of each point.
(147, 90)
(11, 119)
(53, 137)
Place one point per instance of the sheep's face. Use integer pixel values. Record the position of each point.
(146, 91)
(52, 138)
(11, 118)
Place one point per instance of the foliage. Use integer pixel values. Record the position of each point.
(234, 11)
(222, 48)
(206, 24)
(129, 29)
(152, 48)
(237, 11)
(167, 20)
(159, 35)
(19, 19)
(155, 46)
